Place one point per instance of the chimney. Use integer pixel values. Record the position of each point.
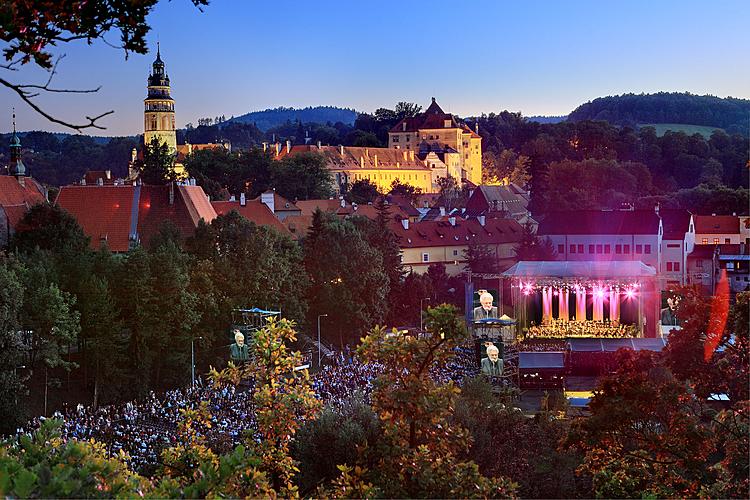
(288, 147)
(452, 220)
(405, 223)
(376, 161)
(367, 152)
(278, 148)
(361, 162)
(343, 202)
(265, 146)
(482, 220)
(232, 198)
(405, 155)
(656, 209)
(319, 144)
(133, 155)
(476, 127)
(341, 150)
(108, 173)
(403, 126)
(268, 199)
(442, 211)
(243, 200)
(99, 181)
(83, 181)
(411, 154)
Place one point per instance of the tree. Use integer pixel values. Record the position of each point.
(480, 258)
(30, 32)
(283, 398)
(406, 190)
(347, 278)
(157, 166)
(362, 191)
(420, 451)
(532, 247)
(49, 227)
(507, 166)
(11, 348)
(303, 176)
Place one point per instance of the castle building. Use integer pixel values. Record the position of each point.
(440, 133)
(159, 107)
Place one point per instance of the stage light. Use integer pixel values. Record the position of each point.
(629, 293)
(526, 291)
(600, 293)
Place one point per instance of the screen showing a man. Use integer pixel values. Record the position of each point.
(492, 365)
(668, 316)
(486, 309)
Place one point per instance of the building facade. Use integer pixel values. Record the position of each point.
(439, 132)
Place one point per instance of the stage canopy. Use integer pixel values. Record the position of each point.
(580, 269)
(611, 345)
(541, 360)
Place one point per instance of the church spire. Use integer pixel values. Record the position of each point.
(16, 166)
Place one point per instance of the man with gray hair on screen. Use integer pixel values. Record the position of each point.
(486, 310)
(492, 365)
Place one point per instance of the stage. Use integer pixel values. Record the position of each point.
(584, 299)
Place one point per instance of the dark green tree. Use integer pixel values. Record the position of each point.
(362, 191)
(532, 247)
(157, 166)
(11, 348)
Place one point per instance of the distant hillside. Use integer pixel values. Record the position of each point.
(270, 118)
(547, 119)
(661, 128)
(730, 114)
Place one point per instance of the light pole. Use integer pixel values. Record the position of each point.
(192, 359)
(421, 321)
(319, 316)
(15, 377)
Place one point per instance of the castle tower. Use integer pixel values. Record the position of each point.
(16, 167)
(159, 107)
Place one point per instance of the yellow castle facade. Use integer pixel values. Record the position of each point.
(438, 132)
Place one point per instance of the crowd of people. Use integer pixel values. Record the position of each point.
(143, 429)
(558, 328)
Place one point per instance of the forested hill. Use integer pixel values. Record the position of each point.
(270, 118)
(728, 113)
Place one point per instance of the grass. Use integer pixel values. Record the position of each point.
(661, 128)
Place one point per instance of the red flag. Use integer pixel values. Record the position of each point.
(719, 314)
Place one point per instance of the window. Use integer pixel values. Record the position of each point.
(704, 241)
(673, 245)
(580, 248)
(395, 138)
(647, 249)
(639, 249)
(455, 252)
(669, 267)
(607, 249)
(572, 249)
(425, 257)
(561, 249)
(591, 248)
(726, 241)
(599, 248)
(407, 138)
(626, 250)
(699, 264)
(618, 249)
(716, 241)
(676, 267)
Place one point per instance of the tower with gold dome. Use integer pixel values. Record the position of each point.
(159, 107)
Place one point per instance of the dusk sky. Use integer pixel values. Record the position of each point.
(537, 57)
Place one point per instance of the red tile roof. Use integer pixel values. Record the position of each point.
(351, 157)
(15, 213)
(298, 225)
(600, 222)
(103, 212)
(433, 233)
(254, 211)
(309, 207)
(717, 224)
(197, 203)
(13, 193)
(675, 222)
(154, 208)
(280, 203)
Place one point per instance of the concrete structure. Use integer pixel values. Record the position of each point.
(438, 132)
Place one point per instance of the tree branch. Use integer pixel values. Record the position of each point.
(27, 98)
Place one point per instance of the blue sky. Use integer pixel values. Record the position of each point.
(537, 57)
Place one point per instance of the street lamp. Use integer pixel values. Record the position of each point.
(319, 316)
(421, 321)
(192, 359)
(15, 376)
